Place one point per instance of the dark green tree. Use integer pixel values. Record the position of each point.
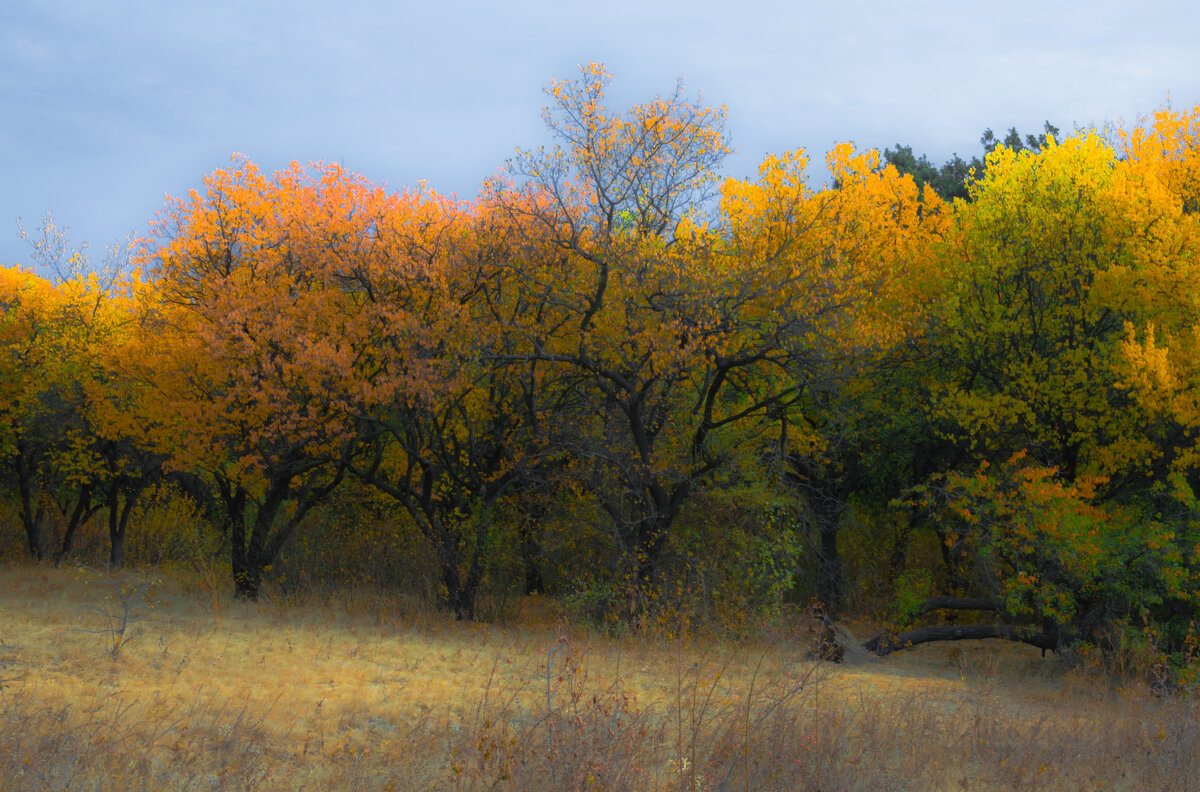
(951, 178)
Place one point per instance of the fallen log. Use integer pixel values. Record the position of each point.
(885, 643)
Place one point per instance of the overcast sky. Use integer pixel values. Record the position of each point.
(108, 106)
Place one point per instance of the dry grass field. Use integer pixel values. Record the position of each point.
(360, 692)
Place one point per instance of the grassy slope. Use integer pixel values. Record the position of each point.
(357, 694)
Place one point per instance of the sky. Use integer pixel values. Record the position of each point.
(109, 106)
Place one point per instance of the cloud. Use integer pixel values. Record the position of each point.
(113, 103)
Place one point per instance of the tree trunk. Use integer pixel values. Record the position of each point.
(898, 558)
(460, 594)
(829, 570)
(531, 561)
(247, 577)
(825, 488)
(82, 512)
(118, 519)
(250, 561)
(116, 543)
(647, 548)
(32, 514)
(529, 538)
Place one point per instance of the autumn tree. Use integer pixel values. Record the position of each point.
(857, 300)
(676, 343)
(1057, 525)
(948, 180)
(35, 418)
(1158, 350)
(67, 461)
(247, 350)
(456, 429)
(1053, 564)
(123, 451)
(623, 315)
(1032, 314)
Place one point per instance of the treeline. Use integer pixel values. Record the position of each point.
(598, 381)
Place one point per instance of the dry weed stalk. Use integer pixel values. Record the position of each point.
(130, 592)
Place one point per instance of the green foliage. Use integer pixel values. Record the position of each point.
(600, 602)
(952, 179)
(910, 590)
(1057, 555)
(949, 180)
(732, 565)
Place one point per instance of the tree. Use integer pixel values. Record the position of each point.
(879, 229)
(1014, 142)
(82, 403)
(247, 350)
(1032, 314)
(447, 444)
(951, 179)
(1058, 528)
(32, 431)
(61, 446)
(677, 345)
(633, 307)
(1051, 560)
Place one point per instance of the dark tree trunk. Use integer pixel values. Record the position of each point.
(247, 577)
(825, 488)
(898, 558)
(123, 484)
(826, 502)
(461, 602)
(953, 558)
(529, 539)
(889, 641)
(652, 539)
(422, 505)
(251, 555)
(118, 520)
(82, 512)
(33, 510)
(531, 560)
(32, 521)
(829, 569)
(641, 547)
(642, 532)
(462, 591)
(116, 537)
(460, 594)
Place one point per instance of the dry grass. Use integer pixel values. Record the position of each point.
(365, 693)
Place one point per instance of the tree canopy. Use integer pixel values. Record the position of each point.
(970, 386)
